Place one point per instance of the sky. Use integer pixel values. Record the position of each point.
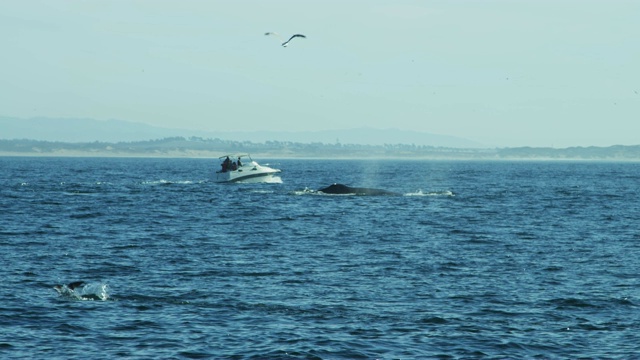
(543, 73)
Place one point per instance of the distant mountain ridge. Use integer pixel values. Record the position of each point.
(89, 130)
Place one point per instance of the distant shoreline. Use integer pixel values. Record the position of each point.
(258, 157)
(179, 147)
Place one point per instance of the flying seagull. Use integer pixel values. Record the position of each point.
(286, 42)
(291, 38)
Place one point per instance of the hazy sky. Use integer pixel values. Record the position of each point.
(505, 73)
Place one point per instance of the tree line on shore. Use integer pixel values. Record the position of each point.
(194, 146)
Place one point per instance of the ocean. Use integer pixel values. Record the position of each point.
(474, 259)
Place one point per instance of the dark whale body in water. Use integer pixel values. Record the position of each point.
(70, 286)
(344, 189)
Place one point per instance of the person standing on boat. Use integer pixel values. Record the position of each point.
(226, 165)
(239, 163)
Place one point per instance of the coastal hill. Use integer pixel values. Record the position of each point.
(89, 130)
(86, 137)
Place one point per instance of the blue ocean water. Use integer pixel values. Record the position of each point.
(473, 260)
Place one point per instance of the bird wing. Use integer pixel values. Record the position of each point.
(291, 38)
(273, 33)
(297, 35)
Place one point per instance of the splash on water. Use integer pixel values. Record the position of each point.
(431, 193)
(83, 291)
(172, 182)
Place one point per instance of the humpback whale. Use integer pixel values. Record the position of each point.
(69, 286)
(344, 190)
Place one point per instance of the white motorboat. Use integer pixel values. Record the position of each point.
(242, 168)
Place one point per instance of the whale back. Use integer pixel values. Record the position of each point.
(344, 190)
